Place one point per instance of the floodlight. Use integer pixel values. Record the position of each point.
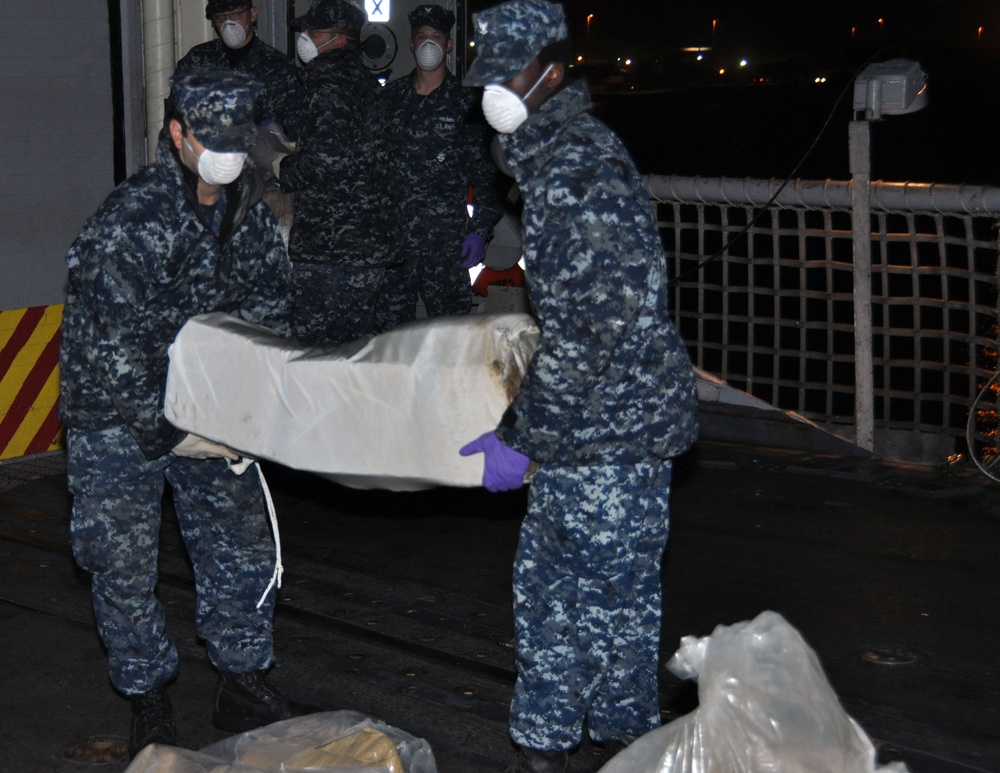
(890, 88)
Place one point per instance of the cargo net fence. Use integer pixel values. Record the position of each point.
(774, 315)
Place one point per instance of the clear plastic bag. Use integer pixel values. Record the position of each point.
(765, 706)
(332, 742)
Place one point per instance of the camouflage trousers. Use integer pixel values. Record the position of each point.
(587, 604)
(115, 528)
(334, 305)
(434, 277)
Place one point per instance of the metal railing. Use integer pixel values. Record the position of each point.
(774, 314)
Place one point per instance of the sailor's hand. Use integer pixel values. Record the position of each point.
(473, 250)
(503, 467)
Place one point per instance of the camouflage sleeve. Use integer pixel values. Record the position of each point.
(591, 281)
(284, 96)
(481, 173)
(269, 304)
(128, 348)
(324, 140)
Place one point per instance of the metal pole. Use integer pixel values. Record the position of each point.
(864, 388)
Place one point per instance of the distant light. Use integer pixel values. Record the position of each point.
(700, 57)
(472, 44)
(722, 71)
(579, 59)
(628, 62)
(696, 49)
(743, 63)
(820, 79)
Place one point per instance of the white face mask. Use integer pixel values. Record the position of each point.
(232, 34)
(306, 49)
(429, 55)
(503, 109)
(218, 168)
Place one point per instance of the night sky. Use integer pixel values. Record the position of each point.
(759, 119)
(784, 24)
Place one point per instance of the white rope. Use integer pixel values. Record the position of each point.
(278, 568)
(239, 468)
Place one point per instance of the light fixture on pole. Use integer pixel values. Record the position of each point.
(884, 88)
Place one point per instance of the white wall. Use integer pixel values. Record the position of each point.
(56, 157)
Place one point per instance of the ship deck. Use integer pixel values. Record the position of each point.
(398, 606)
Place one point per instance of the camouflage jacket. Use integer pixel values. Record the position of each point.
(611, 381)
(439, 153)
(282, 88)
(345, 207)
(141, 266)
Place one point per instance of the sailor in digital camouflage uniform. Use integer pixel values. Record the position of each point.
(239, 48)
(608, 400)
(439, 151)
(346, 228)
(183, 236)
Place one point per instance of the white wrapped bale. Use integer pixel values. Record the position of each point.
(390, 411)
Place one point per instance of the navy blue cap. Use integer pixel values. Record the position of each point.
(431, 16)
(508, 36)
(225, 6)
(331, 14)
(217, 105)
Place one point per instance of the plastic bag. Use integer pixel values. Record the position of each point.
(332, 741)
(765, 706)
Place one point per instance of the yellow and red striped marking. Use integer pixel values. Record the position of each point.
(29, 381)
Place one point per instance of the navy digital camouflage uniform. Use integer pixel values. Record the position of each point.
(279, 99)
(439, 152)
(609, 398)
(346, 228)
(149, 259)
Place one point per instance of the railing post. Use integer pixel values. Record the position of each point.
(864, 388)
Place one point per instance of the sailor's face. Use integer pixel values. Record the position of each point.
(526, 83)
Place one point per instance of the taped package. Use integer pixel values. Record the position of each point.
(388, 411)
(334, 741)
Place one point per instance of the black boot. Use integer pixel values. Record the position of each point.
(611, 748)
(246, 701)
(538, 761)
(152, 721)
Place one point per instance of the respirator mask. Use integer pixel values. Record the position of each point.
(218, 168)
(503, 109)
(306, 49)
(429, 55)
(232, 34)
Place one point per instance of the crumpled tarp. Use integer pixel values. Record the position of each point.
(331, 742)
(764, 706)
(389, 411)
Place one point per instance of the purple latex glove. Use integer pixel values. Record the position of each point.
(503, 467)
(473, 250)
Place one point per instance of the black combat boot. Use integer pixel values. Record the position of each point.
(246, 701)
(611, 748)
(152, 721)
(538, 761)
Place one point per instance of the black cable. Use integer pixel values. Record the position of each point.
(743, 231)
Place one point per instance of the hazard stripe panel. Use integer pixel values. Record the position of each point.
(29, 381)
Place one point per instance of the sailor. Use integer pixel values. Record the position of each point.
(185, 235)
(440, 151)
(346, 229)
(239, 48)
(608, 400)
